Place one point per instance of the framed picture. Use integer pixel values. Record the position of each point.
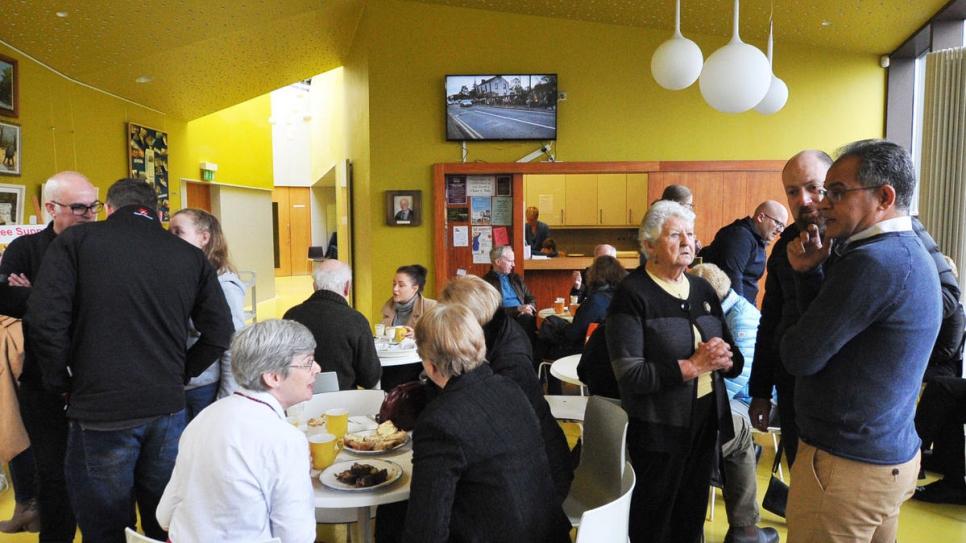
(148, 160)
(9, 148)
(404, 207)
(9, 84)
(11, 203)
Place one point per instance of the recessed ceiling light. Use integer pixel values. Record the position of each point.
(144, 79)
(62, 14)
(826, 23)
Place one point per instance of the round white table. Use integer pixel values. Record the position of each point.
(565, 369)
(411, 357)
(364, 501)
(544, 313)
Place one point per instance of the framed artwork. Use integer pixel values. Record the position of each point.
(9, 85)
(9, 148)
(148, 160)
(11, 203)
(404, 207)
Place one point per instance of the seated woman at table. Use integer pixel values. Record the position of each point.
(480, 469)
(508, 353)
(242, 472)
(405, 308)
(669, 345)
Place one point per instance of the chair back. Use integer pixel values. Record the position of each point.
(249, 279)
(131, 536)
(327, 381)
(609, 522)
(590, 330)
(317, 253)
(358, 402)
(597, 479)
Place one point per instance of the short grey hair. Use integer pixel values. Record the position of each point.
(333, 277)
(482, 298)
(55, 185)
(882, 162)
(267, 347)
(657, 215)
(499, 252)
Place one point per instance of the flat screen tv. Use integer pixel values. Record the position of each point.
(492, 107)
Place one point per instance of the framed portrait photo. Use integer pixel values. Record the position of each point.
(11, 203)
(9, 148)
(9, 85)
(404, 207)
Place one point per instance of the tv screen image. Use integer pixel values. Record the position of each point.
(501, 107)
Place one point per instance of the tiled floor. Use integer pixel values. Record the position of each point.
(919, 522)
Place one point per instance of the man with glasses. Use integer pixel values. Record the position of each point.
(108, 323)
(739, 248)
(70, 199)
(859, 350)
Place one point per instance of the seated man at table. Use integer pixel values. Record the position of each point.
(518, 301)
(242, 472)
(343, 336)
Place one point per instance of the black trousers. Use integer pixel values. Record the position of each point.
(45, 419)
(785, 387)
(671, 495)
(940, 416)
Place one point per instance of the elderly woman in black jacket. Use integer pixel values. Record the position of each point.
(669, 345)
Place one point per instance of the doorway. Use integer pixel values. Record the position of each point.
(292, 213)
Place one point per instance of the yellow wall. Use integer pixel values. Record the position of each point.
(614, 111)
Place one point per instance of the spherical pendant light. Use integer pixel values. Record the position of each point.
(777, 94)
(676, 63)
(736, 77)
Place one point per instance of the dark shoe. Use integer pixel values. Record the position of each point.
(941, 491)
(762, 535)
(25, 519)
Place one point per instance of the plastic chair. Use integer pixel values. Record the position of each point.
(247, 278)
(597, 479)
(590, 330)
(132, 536)
(609, 522)
(327, 381)
(358, 402)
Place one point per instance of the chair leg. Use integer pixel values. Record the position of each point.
(711, 503)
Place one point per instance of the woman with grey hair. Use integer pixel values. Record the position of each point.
(669, 344)
(480, 471)
(242, 470)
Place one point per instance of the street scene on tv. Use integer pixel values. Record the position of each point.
(501, 107)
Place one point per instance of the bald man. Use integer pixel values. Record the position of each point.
(343, 336)
(70, 199)
(739, 248)
(579, 288)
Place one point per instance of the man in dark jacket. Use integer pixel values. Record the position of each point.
(518, 301)
(739, 248)
(343, 337)
(108, 322)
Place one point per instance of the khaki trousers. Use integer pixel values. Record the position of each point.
(834, 499)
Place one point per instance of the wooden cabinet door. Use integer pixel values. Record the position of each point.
(637, 202)
(581, 203)
(548, 194)
(611, 199)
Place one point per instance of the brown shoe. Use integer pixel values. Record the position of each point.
(25, 518)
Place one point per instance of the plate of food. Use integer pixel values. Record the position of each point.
(362, 476)
(392, 349)
(385, 438)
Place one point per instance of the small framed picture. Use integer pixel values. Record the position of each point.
(404, 207)
(11, 204)
(9, 148)
(9, 84)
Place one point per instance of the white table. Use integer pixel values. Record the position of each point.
(363, 502)
(544, 313)
(410, 358)
(565, 369)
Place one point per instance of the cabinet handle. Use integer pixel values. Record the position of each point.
(630, 216)
(562, 216)
(601, 219)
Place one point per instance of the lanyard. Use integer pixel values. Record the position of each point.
(258, 401)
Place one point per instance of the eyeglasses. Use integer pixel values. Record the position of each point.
(835, 195)
(778, 223)
(81, 209)
(307, 365)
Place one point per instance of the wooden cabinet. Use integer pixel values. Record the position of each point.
(637, 202)
(581, 200)
(547, 193)
(611, 199)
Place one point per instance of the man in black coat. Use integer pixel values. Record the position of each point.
(343, 337)
(518, 301)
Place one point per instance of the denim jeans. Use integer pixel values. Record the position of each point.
(107, 471)
(199, 398)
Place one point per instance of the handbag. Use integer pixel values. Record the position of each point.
(776, 496)
(552, 330)
(403, 404)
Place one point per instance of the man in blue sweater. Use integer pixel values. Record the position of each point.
(859, 350)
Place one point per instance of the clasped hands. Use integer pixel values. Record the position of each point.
(712, 355)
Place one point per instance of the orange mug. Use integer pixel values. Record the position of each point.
(573, 308)
(558, 306)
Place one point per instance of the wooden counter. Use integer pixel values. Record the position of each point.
(553, 278)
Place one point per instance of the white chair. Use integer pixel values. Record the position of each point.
(597, 480)
(609, 522)
(327, 381)
(247, 278)
(358, 402)
(132, 536)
